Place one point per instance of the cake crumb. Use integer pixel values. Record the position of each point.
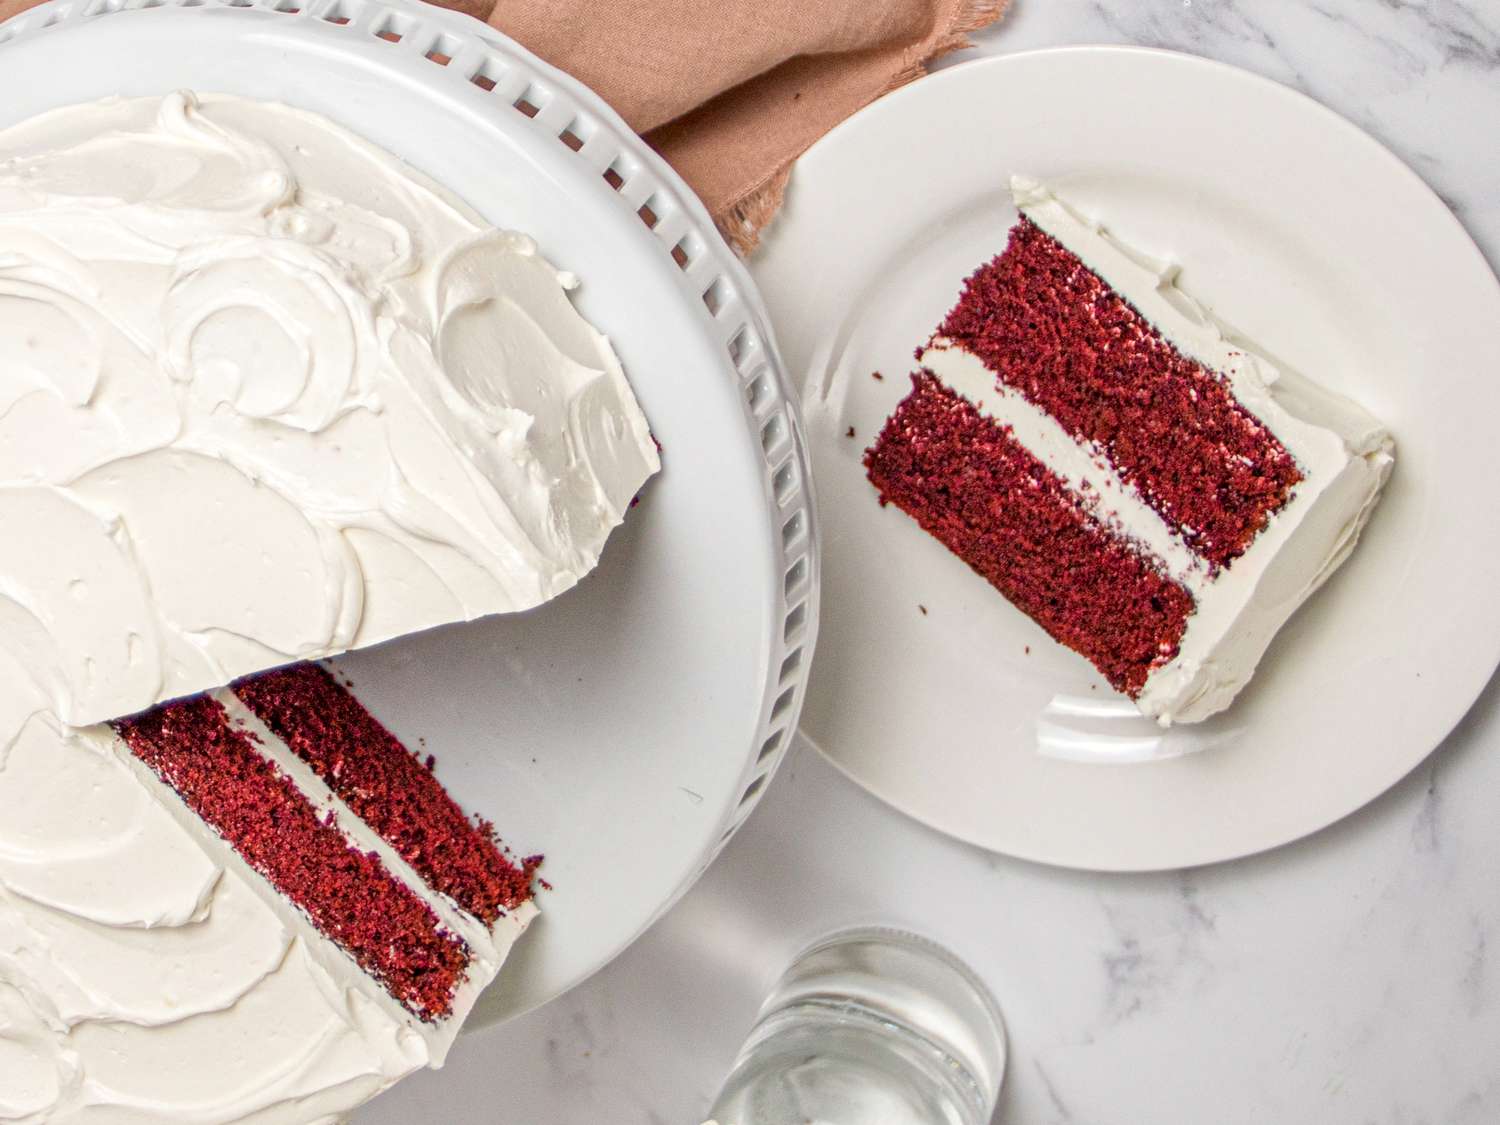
(849, 432)
(923, 608)
(877, 376)
(1028, 650)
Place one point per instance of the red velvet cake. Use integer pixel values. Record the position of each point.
(349, 895)
(1091, 441)
(941, 461)
(387, 787)
(290, 771)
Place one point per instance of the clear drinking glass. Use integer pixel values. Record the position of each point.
(870, 1026)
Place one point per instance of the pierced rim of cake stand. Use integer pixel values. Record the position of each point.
(579, 145)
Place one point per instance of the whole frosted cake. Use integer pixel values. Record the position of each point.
(1156, 495)
(266, 395)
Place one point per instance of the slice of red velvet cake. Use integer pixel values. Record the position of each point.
(388, 787)
(1157, 496)
(338, 819)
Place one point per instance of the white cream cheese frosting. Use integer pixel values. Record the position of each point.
(1344, 454)
(268, 394)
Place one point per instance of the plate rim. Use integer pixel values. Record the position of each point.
(1481, 670)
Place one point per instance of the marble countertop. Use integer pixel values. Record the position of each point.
(1352, 977)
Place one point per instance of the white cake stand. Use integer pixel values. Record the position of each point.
(627, 729)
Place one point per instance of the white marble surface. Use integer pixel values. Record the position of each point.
(1354, 977)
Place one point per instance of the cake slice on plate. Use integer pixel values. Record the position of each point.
(1155, 494)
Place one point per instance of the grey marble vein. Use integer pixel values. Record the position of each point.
(1154, 958)
(1061, 1114)
(1473, 983)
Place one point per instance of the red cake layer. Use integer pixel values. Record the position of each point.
(1053, 330)
(980, 492)
(350, 896)
(387, 787)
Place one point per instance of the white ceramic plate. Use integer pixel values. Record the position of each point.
(1304, 233)
(626, 729)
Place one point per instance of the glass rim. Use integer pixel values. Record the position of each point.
(887, 932)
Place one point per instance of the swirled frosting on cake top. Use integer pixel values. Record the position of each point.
(269, 394)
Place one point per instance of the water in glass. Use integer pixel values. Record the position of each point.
(869, 1027)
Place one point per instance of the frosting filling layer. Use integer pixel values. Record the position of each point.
(386, 787)
(1050, 329)
(945, 464)
(349, 895)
